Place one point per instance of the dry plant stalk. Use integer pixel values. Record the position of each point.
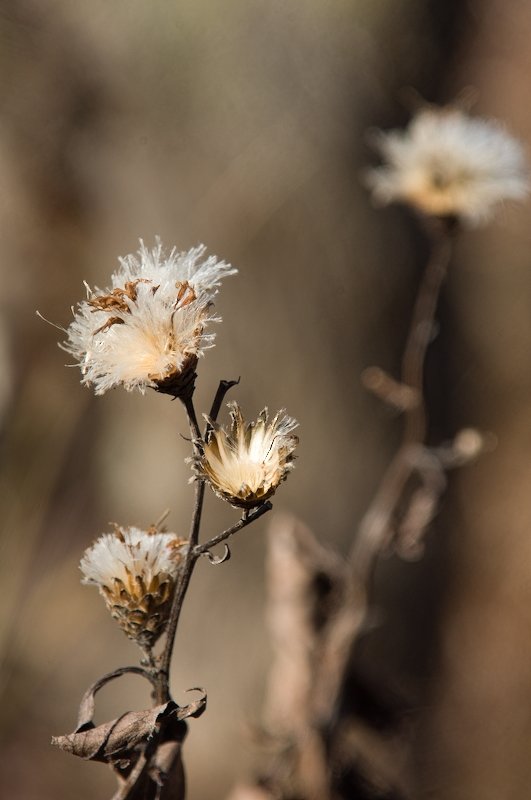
(323, 741)
(148, 330)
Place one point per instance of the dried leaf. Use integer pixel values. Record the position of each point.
(194, 709)
(115, 740)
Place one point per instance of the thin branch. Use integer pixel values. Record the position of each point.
(242, 523)
(375, 528)
(223, 388)
(421, 332)
(130, 783)
(376, 525)
(391, 391)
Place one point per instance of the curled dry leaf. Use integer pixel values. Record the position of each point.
(115, 741)
(87, 705)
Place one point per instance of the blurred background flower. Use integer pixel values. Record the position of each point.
(242, 124)
(450, 164)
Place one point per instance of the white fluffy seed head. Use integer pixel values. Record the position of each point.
(246, 464)
(446, 163)
(149, 327)
(127, 553)
(136, 572)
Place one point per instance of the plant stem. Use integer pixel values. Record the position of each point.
(421, 333)
(194, 548)
(183, 579)
(375, 527)
(192, 418)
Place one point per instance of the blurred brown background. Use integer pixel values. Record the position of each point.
(242, 124)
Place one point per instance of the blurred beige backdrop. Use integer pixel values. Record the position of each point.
(242, 125)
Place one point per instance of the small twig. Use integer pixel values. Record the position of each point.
(245, 520)
(223, 388)
(392, 392)
(375, 526)
(423, 503)
(130, 783)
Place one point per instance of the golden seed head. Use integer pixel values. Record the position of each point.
(246, 464)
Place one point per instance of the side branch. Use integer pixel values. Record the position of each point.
(242, 523)
(375, 529)
(223, 388)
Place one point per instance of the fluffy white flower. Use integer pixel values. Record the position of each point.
(447, 163)
(135, 571)
(148, 329)
(246, 465)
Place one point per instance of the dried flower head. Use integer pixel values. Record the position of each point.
(136, 573)
(448, 164)
(246, 465)
(148, 329)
